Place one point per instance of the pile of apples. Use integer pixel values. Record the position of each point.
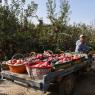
(69, 57)
(41, 64)
(45, 59)
(15, 62)
(46, 56)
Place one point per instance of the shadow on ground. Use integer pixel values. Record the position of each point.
(85, 84)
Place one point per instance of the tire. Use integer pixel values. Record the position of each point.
(66, 85)
(87, 68)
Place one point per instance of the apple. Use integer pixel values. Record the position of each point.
(19, 62)
(13, 61)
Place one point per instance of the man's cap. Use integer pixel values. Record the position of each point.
(82, 36)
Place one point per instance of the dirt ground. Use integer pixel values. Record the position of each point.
(85, 86)
(9, 88)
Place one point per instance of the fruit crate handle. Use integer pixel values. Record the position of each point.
(17, 56)
(67, 51)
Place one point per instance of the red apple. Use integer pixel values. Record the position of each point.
(13, 61)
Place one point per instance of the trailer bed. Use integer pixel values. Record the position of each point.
(22, 79)
(47, 79)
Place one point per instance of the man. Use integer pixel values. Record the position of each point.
(81, 46)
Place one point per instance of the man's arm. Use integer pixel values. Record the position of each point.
(79, 48)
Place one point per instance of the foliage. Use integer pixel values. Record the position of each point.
(58, 18)
(18, 34)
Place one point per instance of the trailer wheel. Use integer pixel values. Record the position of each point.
(66, 85)
(87, 68)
